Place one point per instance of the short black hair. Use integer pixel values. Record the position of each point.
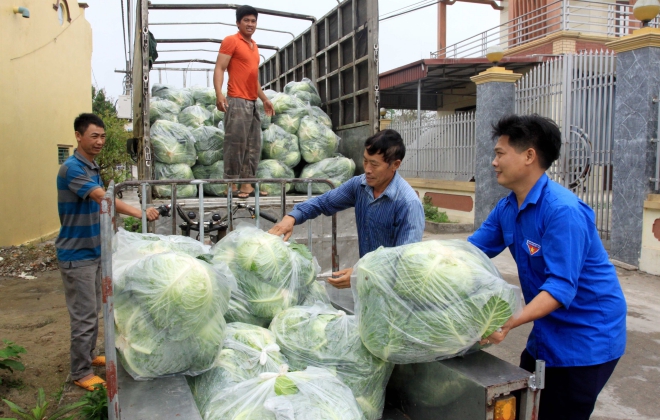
(387, 143)
(525, 131)
(84, 120)
(246, 10)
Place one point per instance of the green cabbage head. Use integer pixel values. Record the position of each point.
(173, 143)
(163, 109)
(430, 300)
(337, 169)
(280, 145)
(195, 116)
(178, 171)
(317, 142)
(209, 143)
(214, 171)
(271, 168)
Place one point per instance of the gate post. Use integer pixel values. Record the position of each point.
(635, 125)
(496, 97)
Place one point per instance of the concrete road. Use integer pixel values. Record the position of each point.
(633, 391)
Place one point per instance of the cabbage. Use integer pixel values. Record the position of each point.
(209, 143)
(270, 93)
(169, 314)
(271, 273)
(430, 300)
(283, 102)
(308, 98)
(265, 119)
(182, 97)
(217, 116)
(247, 352)
(129, 247)
(324, 337)
(162, 109)
(271, 168)
(290, 120)
(214, 171)
(317, 142)
(320, 116)
(195, 116)
(337, 169)
(177, 171)
(314, 394)
(280, 145)
(173, 143)
(316, 293)
(203, 96)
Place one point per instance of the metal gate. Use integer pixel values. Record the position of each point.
(577, 91)
(439, 148)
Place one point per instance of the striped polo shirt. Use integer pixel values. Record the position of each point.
(79, 241)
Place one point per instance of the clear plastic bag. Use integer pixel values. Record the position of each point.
(173, 143)
(272, 274)
(214, 171)
(209, 144)
(195, 116)
(271, 168)
(176, 171)
(317, 141)
(183, 97)
(304, 90)
(162, 109)
(247, 352)
(314, 394)
(280, 145)
(336, 169)
(169, 311)
(324, 337)
(430, 300)
(316, 293)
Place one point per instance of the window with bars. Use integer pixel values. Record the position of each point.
(62, 154)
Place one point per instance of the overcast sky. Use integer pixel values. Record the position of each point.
(403, 39)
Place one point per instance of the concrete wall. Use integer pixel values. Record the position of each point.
(45, 80)
(456, 198)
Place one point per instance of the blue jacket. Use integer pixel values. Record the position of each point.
(555, 243)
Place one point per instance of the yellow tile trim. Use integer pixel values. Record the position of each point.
(496, 74)
(569, 35)
(437, 184)
(641, 38)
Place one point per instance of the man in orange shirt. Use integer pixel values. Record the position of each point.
(239, 56)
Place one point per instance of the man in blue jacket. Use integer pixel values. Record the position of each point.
(571, 289)
(387, 210)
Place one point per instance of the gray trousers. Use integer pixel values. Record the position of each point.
(242, 147)
(82, 290)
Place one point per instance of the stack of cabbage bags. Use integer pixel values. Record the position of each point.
(187, 136)
(272, 275)
(300, 130)
(430, 300)
(169, 305)
(324, 337)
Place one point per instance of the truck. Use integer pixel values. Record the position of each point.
(339, 53)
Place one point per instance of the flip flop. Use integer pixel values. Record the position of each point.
(89, 383)
(98, 361)
(244, 195)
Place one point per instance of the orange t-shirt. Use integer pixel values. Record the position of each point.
(243, 67)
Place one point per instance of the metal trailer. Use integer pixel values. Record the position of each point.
(339, 52)
(477, 386)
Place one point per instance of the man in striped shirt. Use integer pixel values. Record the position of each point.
(79, 192)
(387, 210)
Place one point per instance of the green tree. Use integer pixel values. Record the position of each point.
(113, 159)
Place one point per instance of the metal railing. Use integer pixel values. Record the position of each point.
(108, 224)
(577, 92)
(439, 148)
(587, 17)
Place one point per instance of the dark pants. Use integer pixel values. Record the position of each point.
(82, 291)
(570, 393)
(242, 147)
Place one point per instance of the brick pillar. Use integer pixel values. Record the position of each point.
(496, 97)
(635, 124)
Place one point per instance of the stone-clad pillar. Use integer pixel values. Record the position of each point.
(635, 124)
(496, 97)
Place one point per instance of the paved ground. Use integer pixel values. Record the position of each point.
(633, 391)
